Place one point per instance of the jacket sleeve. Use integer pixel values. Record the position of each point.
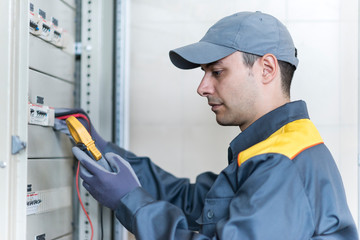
(270, 204)
(326, 194)
(161, 185)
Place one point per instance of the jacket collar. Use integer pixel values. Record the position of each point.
(262, 128)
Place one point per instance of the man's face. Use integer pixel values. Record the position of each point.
(232, 90)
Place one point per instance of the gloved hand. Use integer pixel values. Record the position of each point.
(105, 186)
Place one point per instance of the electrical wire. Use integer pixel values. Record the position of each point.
(81, 203)
(77, 115)
(101, 222)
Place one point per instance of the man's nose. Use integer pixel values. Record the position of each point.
(206, 87)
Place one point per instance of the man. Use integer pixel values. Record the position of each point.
(281, 181)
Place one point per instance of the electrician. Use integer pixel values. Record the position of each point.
(281, 181)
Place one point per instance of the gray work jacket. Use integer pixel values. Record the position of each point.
(281, 183)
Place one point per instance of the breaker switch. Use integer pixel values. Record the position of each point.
(56, 33)
(41, 115)
(45, 26)
(34, 26)
(34, 21)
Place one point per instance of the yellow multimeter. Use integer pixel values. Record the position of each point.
(82, 136)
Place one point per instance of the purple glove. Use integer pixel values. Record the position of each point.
(106, 187)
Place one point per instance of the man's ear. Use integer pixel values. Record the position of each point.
(270, 67)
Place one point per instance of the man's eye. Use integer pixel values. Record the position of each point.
(217, 73)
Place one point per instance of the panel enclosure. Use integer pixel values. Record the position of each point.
(54, 190)
(50, 181)
(43, 142)
(56, 92)
(38, 59)
(51, 60)
(58, 222)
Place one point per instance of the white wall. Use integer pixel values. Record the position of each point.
(175, 127)
(327, 37)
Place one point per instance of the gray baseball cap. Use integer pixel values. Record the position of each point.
(251, 32)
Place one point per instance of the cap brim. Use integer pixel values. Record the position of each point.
(191, 56)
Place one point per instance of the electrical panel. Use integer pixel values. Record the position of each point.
(50, 197)
(56, 54)
(70, 65)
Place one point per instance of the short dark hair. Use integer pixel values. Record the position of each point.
(286, 69)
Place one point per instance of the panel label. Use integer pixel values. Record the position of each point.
(33, 202)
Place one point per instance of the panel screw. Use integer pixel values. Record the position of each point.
(2, 164)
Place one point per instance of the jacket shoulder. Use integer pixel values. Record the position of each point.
(290, 140)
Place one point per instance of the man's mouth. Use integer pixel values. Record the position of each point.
(215, 106)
